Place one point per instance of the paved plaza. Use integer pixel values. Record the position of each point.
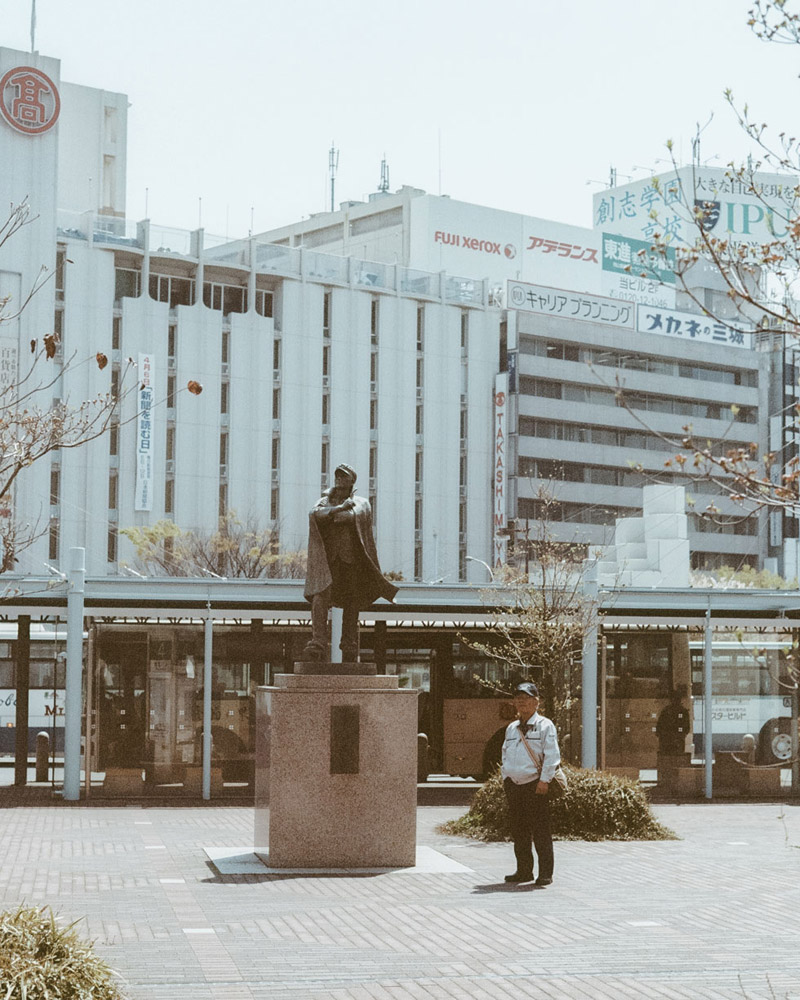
(713, 915)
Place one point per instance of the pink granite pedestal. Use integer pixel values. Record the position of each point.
(336, 771)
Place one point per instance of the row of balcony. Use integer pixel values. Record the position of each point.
(270, 258)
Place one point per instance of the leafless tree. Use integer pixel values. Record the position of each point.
(235, 549)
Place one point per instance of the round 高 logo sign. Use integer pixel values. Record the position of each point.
(29, 100)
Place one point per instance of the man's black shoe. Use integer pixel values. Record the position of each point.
(519, 877)
(543, 882)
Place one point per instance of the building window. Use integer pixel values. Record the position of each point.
(61, 261)
(276, 451)
(172, 341)
(418, 514)
(55, 486)
(373, 369)
(171, 386)
(276, 356)
(276, 404)
(170, 448)
(464, 333)
(223, 499)
(326, 360)
(224, 392)
(326, 314)
(418, 469)
(273, 505)
(127, 283)
(418, 561)
(113, 490)
(226, 347)
(325, 458)
(420, 329)
(373, 414)
(52, 551)
(116, 333)
(112, 543)
(263, 302)
(373, 321)
(169, 496)
(227, 298)
(169, 288)
(113, 438)
(223, 449)
(420, 418)
(326, 415)
(373, 461)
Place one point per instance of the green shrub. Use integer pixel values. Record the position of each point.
(598, 806)
(41, 959)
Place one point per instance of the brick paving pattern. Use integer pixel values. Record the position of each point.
(714, 915)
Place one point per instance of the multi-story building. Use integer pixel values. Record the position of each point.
(305, 360)
(582, 329)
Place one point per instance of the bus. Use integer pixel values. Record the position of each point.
(46, 695)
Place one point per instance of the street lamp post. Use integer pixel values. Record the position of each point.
(488, 567)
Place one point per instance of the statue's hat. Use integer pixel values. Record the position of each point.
(347, 470)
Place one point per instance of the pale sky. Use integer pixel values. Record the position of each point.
(516, 104)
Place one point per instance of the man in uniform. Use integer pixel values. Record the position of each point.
(527, 772)
(343, 569)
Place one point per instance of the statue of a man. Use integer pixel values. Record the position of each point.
(343, 568)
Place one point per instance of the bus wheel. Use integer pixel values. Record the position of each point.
(775, 742)
(493, 753)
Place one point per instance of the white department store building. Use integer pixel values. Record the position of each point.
(306, 361)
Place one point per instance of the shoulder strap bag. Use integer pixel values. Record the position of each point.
(558, 784)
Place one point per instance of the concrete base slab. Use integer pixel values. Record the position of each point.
(248, 861)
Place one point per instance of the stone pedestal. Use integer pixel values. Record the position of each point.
(336, 771)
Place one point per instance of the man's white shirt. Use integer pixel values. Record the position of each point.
(540, 735)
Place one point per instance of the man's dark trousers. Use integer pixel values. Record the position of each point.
(530, 816)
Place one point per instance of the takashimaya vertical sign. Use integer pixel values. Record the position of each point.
(500, 521)
(144, 435)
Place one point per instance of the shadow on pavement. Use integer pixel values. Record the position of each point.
(482, 890)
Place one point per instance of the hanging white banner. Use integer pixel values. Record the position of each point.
(144, 435)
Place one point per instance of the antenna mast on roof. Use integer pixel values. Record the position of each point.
(33, 25)
(333, 166)
(383, 187)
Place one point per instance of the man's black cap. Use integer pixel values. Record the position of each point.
(529, 688)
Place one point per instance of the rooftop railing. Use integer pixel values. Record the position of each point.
(270, 258)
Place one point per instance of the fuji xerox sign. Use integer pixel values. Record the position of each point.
(477, 242)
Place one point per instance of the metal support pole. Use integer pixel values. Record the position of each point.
(336, 634)
(72, 693)
(208, 669)
(795, 742)
(708, 735)
(603, 679)
(88, 739)
(589, 671)
(22, 682)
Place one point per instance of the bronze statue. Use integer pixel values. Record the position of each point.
(343, 569)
